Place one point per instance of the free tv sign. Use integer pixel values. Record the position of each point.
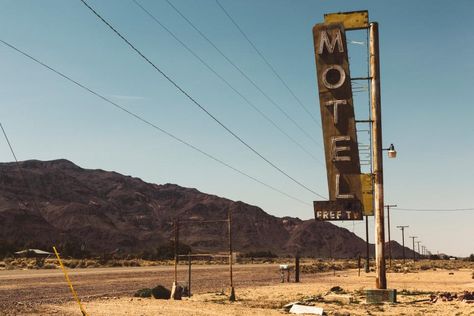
(338, 122)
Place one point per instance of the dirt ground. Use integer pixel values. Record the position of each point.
(258, 290)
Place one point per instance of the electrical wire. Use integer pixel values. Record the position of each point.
(226, 82)
(433, 210)
(20, 169)
(143, 120)
(273, 102)
(197, 103)
(265, 60)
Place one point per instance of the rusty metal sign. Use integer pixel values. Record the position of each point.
(366, 180)
(338, 121)
(354, 20)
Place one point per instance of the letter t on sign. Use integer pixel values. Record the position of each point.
(335, 104)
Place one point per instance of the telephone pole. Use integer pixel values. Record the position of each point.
(376, 116)
(418, 244)
(414, 253)
(388, 229)
(403, 239)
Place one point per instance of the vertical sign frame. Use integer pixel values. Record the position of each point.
(339, 126)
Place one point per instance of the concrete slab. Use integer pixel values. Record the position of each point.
(376, 296)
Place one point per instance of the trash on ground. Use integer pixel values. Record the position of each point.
(303, 309)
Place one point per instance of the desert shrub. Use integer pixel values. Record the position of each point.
(104, 258)
(143, 293)
(50, 266)
(134, 263)
(90, 264)
(160, 292)
(425, 267)
(81, 264)
(471, 257)
(71, 263)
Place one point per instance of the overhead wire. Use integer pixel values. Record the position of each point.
(195, 102)
(252, 82)
(265, 60)
(143, 120)
(225, 81)
(433, 210)
(20, 169)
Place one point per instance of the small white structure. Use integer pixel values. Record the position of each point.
(36, 252)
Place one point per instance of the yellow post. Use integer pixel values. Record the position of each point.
(74, 294)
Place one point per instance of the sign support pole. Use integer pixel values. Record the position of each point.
(381, 278)
(367, 249)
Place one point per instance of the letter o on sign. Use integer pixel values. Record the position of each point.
(339, 82)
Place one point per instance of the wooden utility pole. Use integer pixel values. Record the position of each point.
(297, 267)
(189, 274)
(403, 240)
(174, 288)
(414, 253)
(176, 256)
(376, 114)
(389, 239)
(418, 244)
(232, 291)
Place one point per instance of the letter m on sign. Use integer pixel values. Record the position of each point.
(330, 44)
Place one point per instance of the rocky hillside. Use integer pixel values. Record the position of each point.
(56, 202)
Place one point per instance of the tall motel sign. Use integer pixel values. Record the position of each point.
(351, 193)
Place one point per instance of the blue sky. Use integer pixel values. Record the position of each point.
(427, 76)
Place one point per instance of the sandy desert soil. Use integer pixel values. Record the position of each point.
(109, 292)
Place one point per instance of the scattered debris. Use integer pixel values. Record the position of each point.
(336, 289)
(160, 292)
(303, 309)
(466, 296)
(340, 298)
(288, 306)
(143, 293)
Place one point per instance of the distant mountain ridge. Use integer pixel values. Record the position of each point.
(104, 211)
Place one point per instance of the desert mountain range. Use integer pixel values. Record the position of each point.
(45, 203)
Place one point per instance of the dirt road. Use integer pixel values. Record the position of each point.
(30, 288)
(109, 291)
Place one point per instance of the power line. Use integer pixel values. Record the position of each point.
(143, 120)
(244, 74)
(20, 169)
(265, 60)
(435, 210)
(211, 69)
(197, 103)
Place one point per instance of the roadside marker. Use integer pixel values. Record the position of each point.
(83, 311)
